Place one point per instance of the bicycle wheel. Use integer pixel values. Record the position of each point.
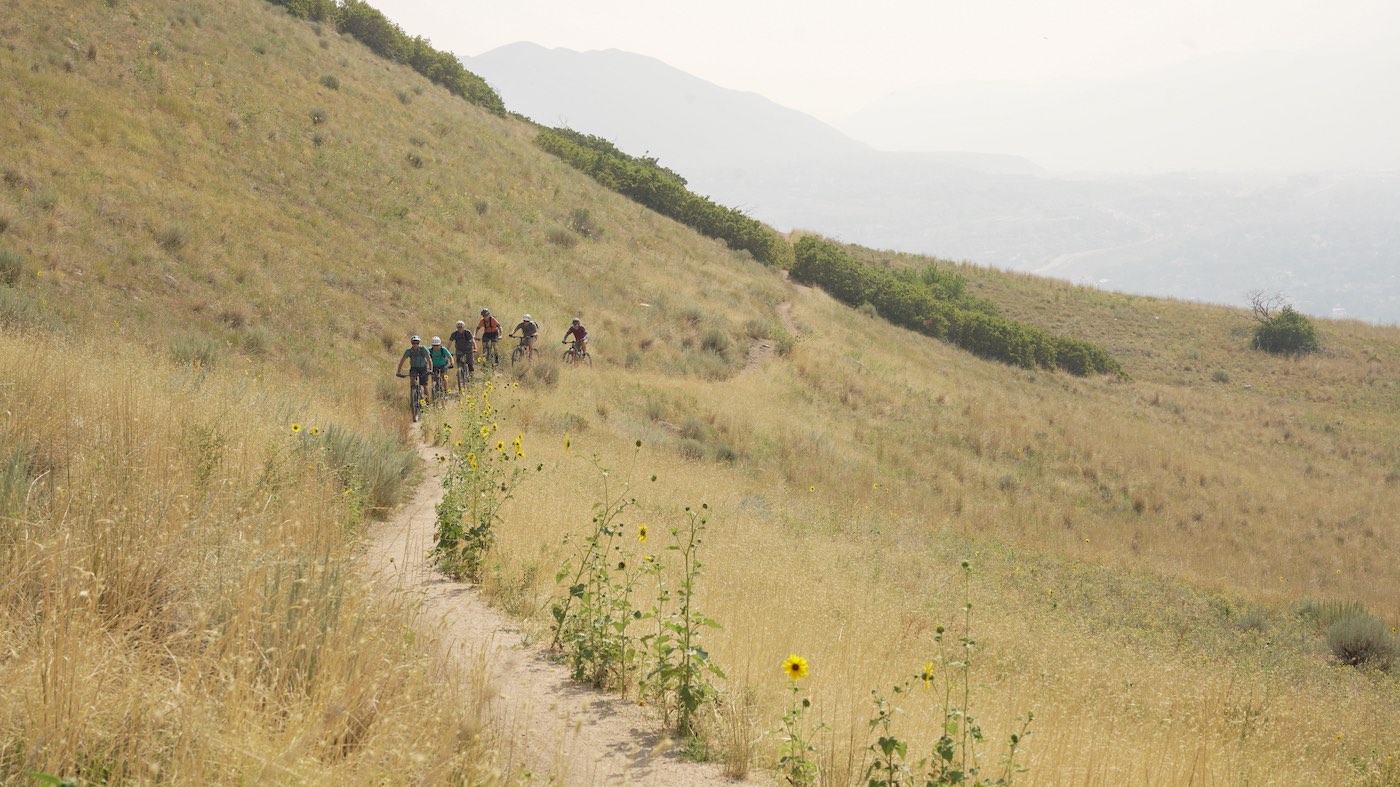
(415, 401)
(461, 377)
(568, 357)
(586, 359)
(516, 355)
(439, 388)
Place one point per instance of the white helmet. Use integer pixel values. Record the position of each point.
(461, 324)
(527, 318)
(415, 339)
(436, 340)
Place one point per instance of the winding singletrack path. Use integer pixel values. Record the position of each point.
(543, 723)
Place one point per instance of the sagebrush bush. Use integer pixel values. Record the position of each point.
(561, 237)
(1361, 640)
(174, 236)
(581, 221)
(1324, 613)
(330, 82)
(718, 342)
(318, 116)
(195, 349)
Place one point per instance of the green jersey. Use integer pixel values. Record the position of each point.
(417, 357)
(440, 356)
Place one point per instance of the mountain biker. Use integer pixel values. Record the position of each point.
(490, 329)
(580, 335)
(442, 360)
(529, 330)
(465, 345)
(419, 362)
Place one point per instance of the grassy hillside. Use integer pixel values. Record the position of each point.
(187, 178)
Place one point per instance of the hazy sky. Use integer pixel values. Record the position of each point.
(829, 57)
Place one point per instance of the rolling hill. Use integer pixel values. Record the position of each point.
(240, 216)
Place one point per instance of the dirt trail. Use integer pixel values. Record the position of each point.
(763, 349)
(557, 730)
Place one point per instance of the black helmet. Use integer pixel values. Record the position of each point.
(485, 312)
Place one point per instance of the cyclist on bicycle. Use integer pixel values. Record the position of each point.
(490, 329)
(419, 362)
(580, 337)
(442, 360)
(529, 331)
(465, 345)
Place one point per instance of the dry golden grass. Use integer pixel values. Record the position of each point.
(178, 596)
(1139, 545)
(1152, 646)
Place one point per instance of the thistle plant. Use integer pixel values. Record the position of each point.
(680, 680)
(888, 766)
(591, 623)
(957, 750)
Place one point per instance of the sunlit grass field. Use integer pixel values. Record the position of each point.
(179, 177)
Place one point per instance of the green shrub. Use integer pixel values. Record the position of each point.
(581, 221)
(319, 116)
(908, 301)
(1361, 640)
(717, 342)
(11, 267)
(330, 82)
(1285, 333)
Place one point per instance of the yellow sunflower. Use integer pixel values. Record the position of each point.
(641, 532)
(296, 428)
(795, 667)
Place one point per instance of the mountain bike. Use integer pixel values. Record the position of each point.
(415, 396)
(523, 350)
(439, 385)
(488, 352)
(464, 374)
(578, 354)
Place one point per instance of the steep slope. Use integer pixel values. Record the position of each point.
(1140, 545)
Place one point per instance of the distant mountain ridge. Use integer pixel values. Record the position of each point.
(1331, 243)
